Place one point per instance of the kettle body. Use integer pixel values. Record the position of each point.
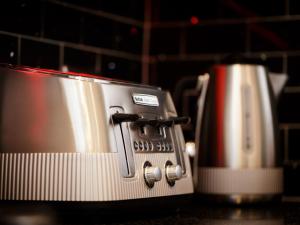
(238, 158)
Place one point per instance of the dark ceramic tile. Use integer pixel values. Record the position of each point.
(121, 69)
(21, 16)
(281, 142)
(127, 38)
(294, 144)
(288, 108)
(98, 32)
(79, 61)
(213, 9)
(291, 177)
(8, 49)
(250, 8)
(112, 35)
(179, 10)
(128, 8)
(275, 36)
(39, 54)
(294, 70)
(275, 64)
(62, 23)
(216, 39)
(169, 73)
(165, 41)
(294, 7)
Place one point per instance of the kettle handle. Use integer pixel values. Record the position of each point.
(202, 86)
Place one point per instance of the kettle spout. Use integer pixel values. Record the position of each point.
(278, 80)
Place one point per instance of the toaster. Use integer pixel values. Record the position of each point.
(78, 137)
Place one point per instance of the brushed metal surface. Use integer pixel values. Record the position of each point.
(239, 126)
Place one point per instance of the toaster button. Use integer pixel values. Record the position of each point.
(141, 145)
(135, 145)
(152, 174)
(163, 147)
(167, 147)
(158, 146)
(146, 146)
(173, 173)
(151, 147)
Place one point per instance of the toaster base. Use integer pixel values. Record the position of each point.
(249, 181)
(82, 177)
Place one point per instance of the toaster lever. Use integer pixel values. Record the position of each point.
(174, 120)
(124, 117)
(144, 122)
(181, 120)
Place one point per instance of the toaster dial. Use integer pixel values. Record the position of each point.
(152, 174)
(173, 173)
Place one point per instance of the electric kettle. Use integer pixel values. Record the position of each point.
(237, 153)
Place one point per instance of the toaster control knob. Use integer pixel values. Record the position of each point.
(173, 173)
(152, 174)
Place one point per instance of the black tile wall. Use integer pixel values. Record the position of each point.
(288, 107)
(105, 33)
(294, 144)
(50, 34)
(37, 54)
(121, 69)
(275, 36)
(8, 49)
(294, 8)
(291, 177)
(127, 38)
(99, 32)
(164, 40)
(79, 61)
(169, 73)
(62, 23)
(249, 9)
(216, 39)
(182, 11)
(128, 8)
(293, 70)
(275, 64)
(179, 10)
(21, 16)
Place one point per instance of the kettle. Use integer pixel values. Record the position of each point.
(237, 156)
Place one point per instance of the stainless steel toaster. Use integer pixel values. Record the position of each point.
(75, 137)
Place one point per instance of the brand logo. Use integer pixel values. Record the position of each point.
(143, 99)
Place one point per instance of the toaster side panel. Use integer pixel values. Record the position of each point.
(45, 113)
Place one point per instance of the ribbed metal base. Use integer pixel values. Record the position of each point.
(226, 181)
(81, 177)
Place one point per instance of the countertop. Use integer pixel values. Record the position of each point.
(192, 213)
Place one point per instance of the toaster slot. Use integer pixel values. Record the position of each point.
(178, 147)
(178, 137)
(122, 138)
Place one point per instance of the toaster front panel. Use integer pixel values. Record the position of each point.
(143, 128)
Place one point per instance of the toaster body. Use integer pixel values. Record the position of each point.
(75, 138)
